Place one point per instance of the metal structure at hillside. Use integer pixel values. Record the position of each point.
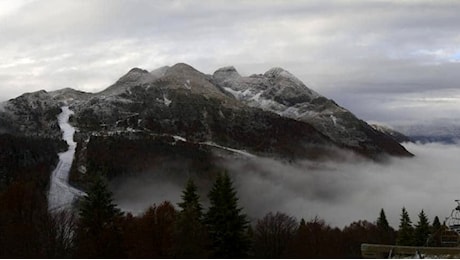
(446, 241)
(453, 221)
(450, 233)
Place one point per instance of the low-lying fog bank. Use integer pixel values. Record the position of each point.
(340, 193)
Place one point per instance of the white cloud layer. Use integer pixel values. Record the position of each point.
(373, 52)
(345, 192)
(339, 192)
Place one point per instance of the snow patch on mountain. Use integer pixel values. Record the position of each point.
(166, 101)
(334, 120)
(240, 152)
(187, 84)
(179, 138)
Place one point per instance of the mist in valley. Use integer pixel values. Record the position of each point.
(338, 192)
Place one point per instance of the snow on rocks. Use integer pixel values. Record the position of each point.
(166, 101)
(187, 84)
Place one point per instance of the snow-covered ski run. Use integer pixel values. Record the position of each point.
(61, 194)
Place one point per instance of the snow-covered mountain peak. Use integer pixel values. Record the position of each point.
(135, 74)
(226, 73)
(181, 68)
(185, 77)
(279, 72)
(134, 77)
(68, 94)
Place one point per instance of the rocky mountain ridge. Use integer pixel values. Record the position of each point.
(273, 114)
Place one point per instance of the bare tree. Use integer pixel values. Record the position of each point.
(272, 235)
(63, 224)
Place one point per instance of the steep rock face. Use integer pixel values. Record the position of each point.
(279, 91)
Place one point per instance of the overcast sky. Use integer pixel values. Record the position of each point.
(384, 60)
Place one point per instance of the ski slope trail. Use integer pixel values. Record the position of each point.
(61, 194)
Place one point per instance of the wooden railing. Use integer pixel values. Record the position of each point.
(388, 251)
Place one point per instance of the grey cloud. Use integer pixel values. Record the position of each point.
(381, 48)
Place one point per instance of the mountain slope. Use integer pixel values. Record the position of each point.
(273, 114)
(279, 91)
(185, 102)
(401, 138)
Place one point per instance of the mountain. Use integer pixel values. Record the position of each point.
(439, 130)
(31, 114)
(280, 92)
(184, 102)
(273, 114)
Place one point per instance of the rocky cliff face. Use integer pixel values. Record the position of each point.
(273, 114)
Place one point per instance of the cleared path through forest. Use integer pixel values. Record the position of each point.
(61, 194)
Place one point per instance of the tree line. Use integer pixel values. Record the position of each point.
(99, 229)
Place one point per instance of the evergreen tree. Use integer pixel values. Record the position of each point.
(422, 230)
(190, 234)
(436, 224)
(382, 222)
(436, 231)
(190, 199)
(97, 234)
(227, 226)
(385, 232)
(406, 231)
(302, 223)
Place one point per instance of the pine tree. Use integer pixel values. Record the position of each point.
(406, 231)
(436, 224)
(385, 232)
(190, 199)
(422, 230)
(97, 235)
(190, 235)
(436, 231)
(382, 222)
(227, 226)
